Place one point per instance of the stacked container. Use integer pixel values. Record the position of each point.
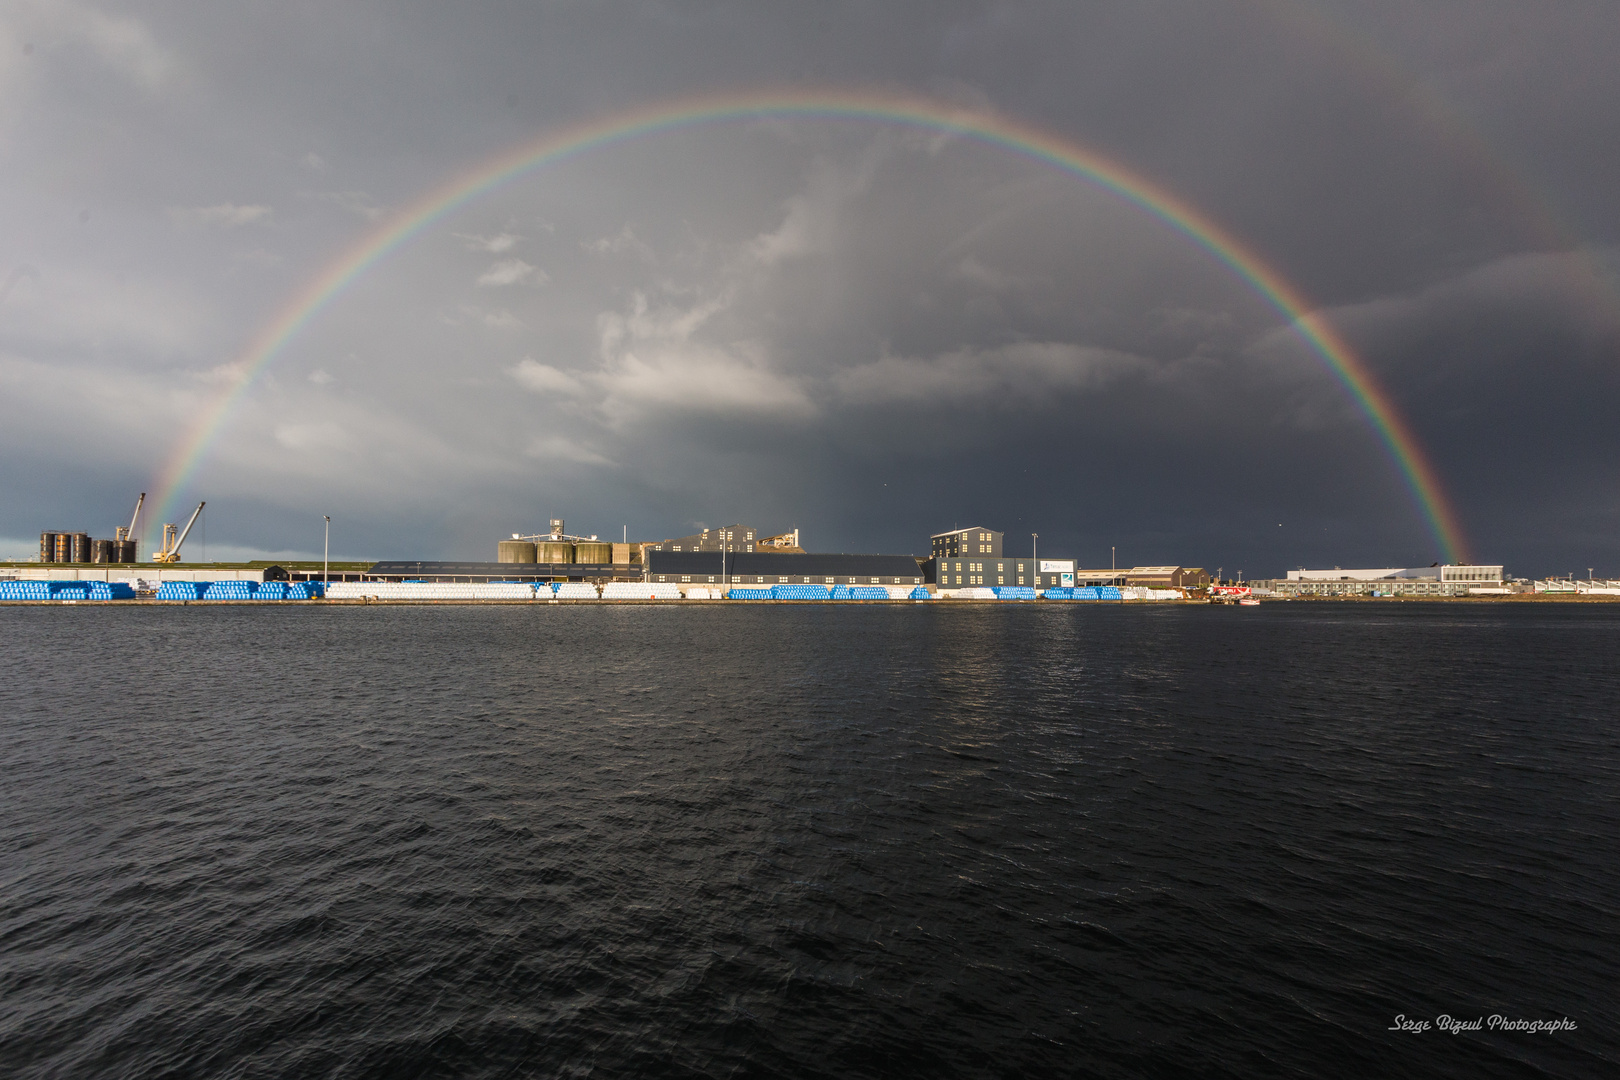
(642, 590)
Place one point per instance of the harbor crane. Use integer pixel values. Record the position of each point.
(122, 533)
(171, 545)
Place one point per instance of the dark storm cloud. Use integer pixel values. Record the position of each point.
(863, 331)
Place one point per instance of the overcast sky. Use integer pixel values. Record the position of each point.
(846, 327)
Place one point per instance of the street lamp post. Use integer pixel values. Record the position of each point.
(1035, 555)
(326, 554)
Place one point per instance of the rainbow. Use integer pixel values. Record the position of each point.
(987, 127)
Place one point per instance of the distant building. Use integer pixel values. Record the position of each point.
(1434, 580)
(966, 542)
(1167, 577)
(726, 537)
(787, 543)
(765, 569)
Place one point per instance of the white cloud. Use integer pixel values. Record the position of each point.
(503, 241)
(545, 379)
(624, 242)
(511, 272)
(812, 222)
(1023, 373)
(652, 360)
(314, 162)
(222, 216)
(320, 377)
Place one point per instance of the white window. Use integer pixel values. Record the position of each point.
(686, 577)
(829, 579)
(782, 580)
(1020, 579)
(1000, 580)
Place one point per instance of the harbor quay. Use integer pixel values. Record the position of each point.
(736, 563)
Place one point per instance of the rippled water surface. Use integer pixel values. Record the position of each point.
(886, 841)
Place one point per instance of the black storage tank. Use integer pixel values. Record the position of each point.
(47, 547)
(126, 550)
(64, 547)
(103, 551)
(81, 547)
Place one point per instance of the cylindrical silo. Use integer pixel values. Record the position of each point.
(593, 553)
(553, 551)
(103, 551)
(515, 551)
(81, 547)
(64, 547)
(126, 551)
(47, 547)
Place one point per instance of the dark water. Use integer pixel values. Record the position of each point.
(814, 841)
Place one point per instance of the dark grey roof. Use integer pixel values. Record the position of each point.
(764, 562)
(494, 570)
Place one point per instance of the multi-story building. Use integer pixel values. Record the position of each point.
(725, 538)
(966, 543)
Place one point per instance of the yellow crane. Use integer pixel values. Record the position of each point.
(171, 545)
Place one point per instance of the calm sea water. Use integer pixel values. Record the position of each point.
(876, 841)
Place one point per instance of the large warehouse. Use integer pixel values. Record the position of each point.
(764, 568)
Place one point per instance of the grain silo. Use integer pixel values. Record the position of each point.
(592, 552)
(555, 551)
(515, 551)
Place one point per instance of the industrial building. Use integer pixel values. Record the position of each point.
(1167, 577)
(1436, 580)
(763, 568)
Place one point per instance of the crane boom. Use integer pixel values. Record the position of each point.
(129, 533)
(195, 514)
